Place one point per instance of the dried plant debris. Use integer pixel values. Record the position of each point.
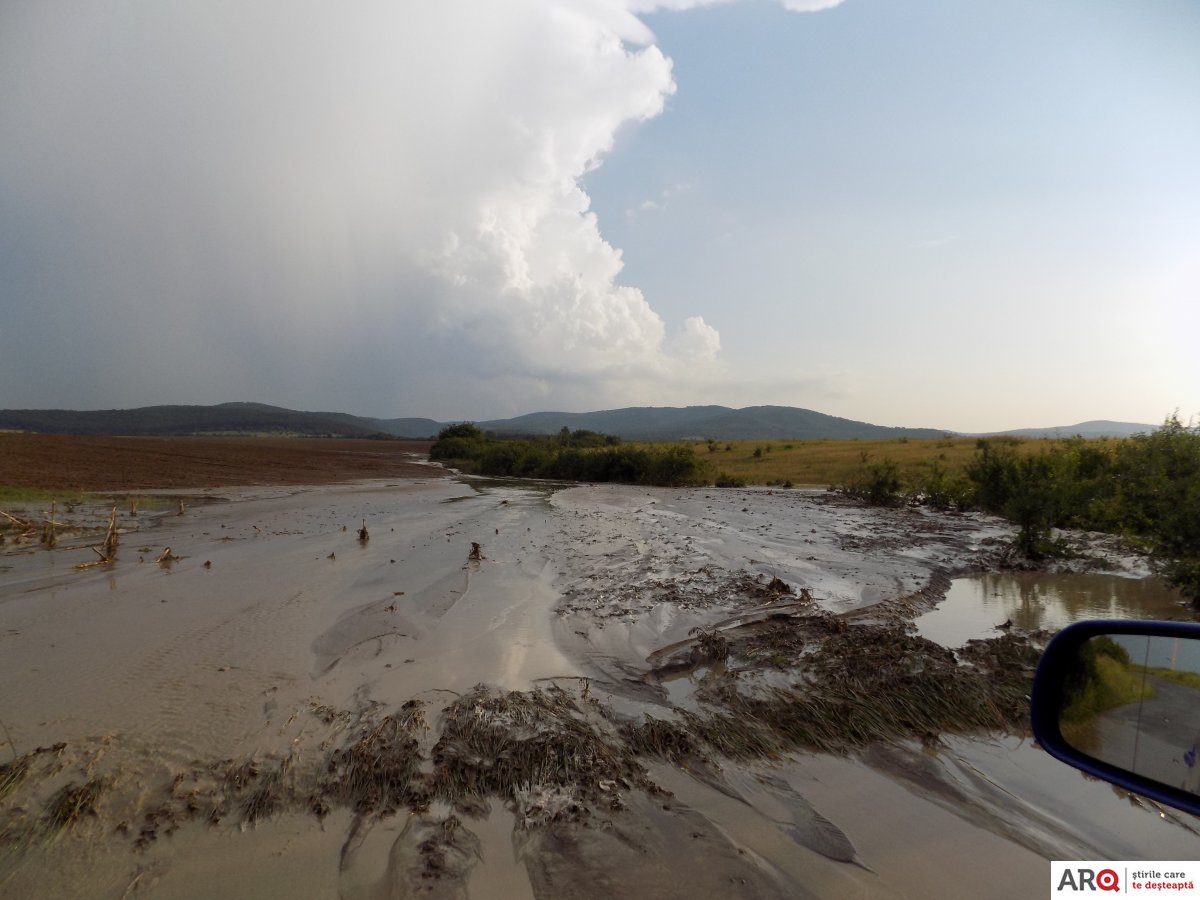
(12, 774)
(379, 772)
(45, 759)
(560, 755)
(710, 645)
(72, 803)
(552, 756)
(879, 683)
(704, 588)
(668, 740)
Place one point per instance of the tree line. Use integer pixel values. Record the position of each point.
(580, 455)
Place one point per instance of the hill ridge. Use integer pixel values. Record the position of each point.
(647, 423)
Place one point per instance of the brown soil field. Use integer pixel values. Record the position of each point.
(88, 463)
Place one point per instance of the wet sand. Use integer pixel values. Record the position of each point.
(278, 637)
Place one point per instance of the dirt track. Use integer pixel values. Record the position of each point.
(85, 463)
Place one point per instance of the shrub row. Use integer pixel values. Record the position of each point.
(577, 456)
(1146, 488)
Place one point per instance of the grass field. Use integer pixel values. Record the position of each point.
(823, 463)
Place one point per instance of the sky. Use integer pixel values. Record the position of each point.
(932, 213)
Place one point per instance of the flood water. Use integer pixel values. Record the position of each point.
(974, 606)
(278, 634)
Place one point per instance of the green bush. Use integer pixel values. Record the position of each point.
(877, 483)
(578, 456)
(937, 488)
(1146, 488)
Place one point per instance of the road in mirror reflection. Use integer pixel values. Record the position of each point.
(1134, 701)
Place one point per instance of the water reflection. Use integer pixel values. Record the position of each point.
(1033, 600)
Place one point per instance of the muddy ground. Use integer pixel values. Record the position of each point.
(526, 690)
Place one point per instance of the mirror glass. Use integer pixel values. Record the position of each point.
(1133, 701)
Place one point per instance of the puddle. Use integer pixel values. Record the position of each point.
(1033, 600)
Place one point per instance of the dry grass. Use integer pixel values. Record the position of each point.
(829, 462)
(852, 685)
(12, 774)
(379, 771)
(539, 748)
(72, 803)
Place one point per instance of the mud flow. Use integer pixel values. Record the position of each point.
(469, 688)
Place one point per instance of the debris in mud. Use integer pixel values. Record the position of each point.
(49, 532)
(437, 850)
(72, 803)
(555, 756)
(867, 683)
(667, 740)
(111, 538)
(107, 551)
(777, 586)
(20, 523)
(538, 748)
(710, 645)
(378, 772)
(476, 554)
(701, 589)
(850, 684)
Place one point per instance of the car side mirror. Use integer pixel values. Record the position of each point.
(1120, 700)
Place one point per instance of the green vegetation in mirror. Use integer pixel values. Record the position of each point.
(1102, 679)
(1134, 701)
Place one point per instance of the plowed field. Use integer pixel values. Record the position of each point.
(70, 462)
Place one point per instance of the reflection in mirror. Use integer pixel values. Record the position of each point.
(1133, 701)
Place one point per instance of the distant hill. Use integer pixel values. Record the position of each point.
(224, 418)
(647, 423)
(635, 423)
(659, 423)
(1093, 429)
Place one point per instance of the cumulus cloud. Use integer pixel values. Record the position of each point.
(369, 205)
(679, 5)
(698, 342)
(809, 5)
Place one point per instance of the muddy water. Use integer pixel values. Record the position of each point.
(275, 611)
(1031, 601)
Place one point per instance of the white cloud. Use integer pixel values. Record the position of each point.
(809, 5)
(698, 341)
(644, 6)
(260, 195)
